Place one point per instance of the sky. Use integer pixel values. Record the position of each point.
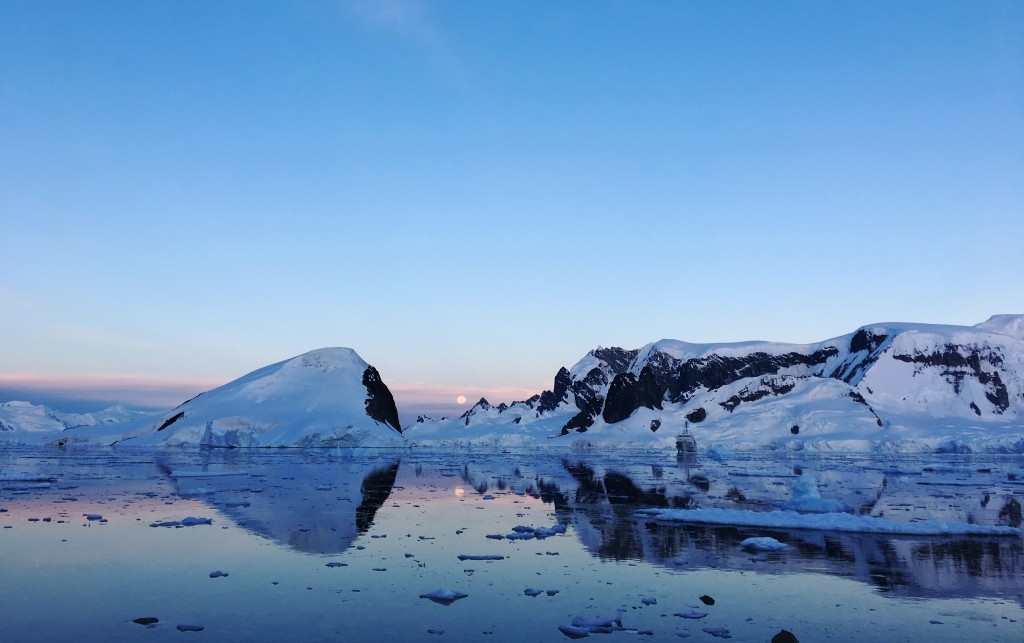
(473, 194)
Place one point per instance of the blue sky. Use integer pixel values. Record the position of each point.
(472, 194)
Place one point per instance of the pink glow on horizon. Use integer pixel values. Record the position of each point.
(437, 401)
(168, 392)
(148, 390)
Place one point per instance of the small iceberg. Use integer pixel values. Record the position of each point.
(444, 596)
(720, 453)
(763, 544)
(184, 522)
(806, 499)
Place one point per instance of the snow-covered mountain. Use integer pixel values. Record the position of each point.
(23, 422)
(883, 384)
(888, 386)
(326, 397)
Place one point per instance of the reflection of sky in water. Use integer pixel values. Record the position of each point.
(399, 525)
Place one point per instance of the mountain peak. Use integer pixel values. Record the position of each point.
(1012, 325)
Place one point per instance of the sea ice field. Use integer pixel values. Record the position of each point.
(541, 545)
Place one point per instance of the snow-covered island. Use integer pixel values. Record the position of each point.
(887, 387)
(324, 398)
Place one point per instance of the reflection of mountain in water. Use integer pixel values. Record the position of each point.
(311, 502)
(375, 489)
(597, 498)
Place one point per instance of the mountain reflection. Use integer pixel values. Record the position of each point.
(312, 502)
(597, 497)
(320, 502)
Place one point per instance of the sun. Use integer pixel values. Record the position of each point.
(460, 399)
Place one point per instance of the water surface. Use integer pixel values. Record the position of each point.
(325, 545)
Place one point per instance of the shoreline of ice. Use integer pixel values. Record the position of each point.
(788, 519)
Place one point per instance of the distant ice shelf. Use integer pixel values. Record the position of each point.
(826, 522)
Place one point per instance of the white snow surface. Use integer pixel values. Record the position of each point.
(921, 388)
(26, 423)
(912, 400)
(314, 400)
(1012, 325)
(826, 522)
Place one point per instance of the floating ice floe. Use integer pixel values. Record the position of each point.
(185, 627)
(206, 474)
(720, 453)
(824, 521)
(184, 522)
(806, 498)
(523, 532)
(718, 632)
(691, 614)
(763, 544)
(444, 596)
(583, 627)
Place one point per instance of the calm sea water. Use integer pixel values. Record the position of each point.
(341, 545)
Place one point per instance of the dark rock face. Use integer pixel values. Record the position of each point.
(764, 389)
(549, 400)
(617, 359)
(628, 392)
(579, 423)
(715, 371)
(171, 420)
(380, 404)
(862, 340)
(697, 415)
(589, 390)
(859, 399)
(620, 384)
(960, 362)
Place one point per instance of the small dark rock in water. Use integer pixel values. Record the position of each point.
(784, 636)
(335, 564)
(146, 620)
(218, 574)
(184, 627)
(707, 600)
(530, 591)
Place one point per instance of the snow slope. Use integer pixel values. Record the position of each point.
(323, 398)
(889, 386)
(25, 423)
